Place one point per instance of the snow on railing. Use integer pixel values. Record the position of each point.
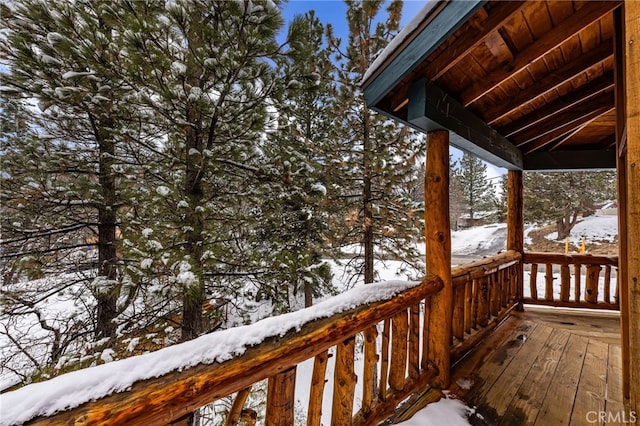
(167, 385)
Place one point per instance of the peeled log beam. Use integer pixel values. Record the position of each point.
(399, 337)
(314, 414)
(344, 383)
(163, 399)
(281, 398)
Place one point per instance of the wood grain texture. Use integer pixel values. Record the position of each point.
(281, 398)
(632, 85)
(316, 392)
(438, 260)
(344, 383)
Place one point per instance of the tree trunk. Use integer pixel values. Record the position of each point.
(565, 224)
(108, 291)
(369, 272)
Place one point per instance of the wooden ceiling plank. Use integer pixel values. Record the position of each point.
(562, 120)
(460, 48)
(590, 12)
(567, 128)
(551, 82)
(561, 141)
(559, 105)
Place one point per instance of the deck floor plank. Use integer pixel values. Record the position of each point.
(568, 366)
(500, 395)
(592, 388)
(524, 408)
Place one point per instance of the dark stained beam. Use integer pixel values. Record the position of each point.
(571, 160)
(430, 109)
(589, 13)
(550, 82)
(461, 47)
(590, 89)
(561, 120)
(445, 23)
(565, 129)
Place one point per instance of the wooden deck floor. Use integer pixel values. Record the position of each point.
(546, 367)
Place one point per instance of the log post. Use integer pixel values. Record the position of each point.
(632, 93)
(515, 226)
(621, 124)
(438, 258)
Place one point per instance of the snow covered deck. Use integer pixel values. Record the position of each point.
(546, 366)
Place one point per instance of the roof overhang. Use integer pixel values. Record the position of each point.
(524, 85)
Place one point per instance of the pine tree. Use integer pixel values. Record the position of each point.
(64, 56)
(562, 197)
(203, 72)
(378, 156)
(477, 189)
(293, 231)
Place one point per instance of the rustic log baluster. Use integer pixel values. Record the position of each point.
(414, 341)
(384, 364)
(370, 368)
(607, 284)
(344, 383)
(565, 283)
(281, 398)
(577, 273)
(591, 287)
(398, 368)
(548, 290)
(318, 380)
(533, 283)
(236, 408)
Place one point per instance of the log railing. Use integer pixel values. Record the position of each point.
(484, 293)
(390, 371)
(572, 280)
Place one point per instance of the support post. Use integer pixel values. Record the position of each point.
(632, 113)
(515, 225)
(438, 258)
(623, 282)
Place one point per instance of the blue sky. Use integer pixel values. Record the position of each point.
(335, 12)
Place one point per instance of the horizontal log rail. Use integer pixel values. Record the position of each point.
(484, 293)
(172, 397)
(561, 282)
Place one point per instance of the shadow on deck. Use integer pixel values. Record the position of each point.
(546, 367)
